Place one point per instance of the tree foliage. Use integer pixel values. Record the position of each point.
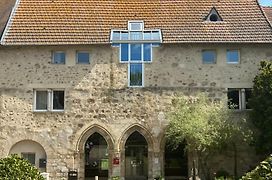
(202, 123)
(17, 168)
(261, 103)
(262, 172)
(206, 126)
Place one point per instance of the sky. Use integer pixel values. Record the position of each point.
(266, 2)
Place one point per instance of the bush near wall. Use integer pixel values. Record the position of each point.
(262, 172)
(17, 168)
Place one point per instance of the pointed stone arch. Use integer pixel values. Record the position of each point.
(85, 134)
(149, 139)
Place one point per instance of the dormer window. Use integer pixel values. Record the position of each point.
(213, 16)
(135, 25)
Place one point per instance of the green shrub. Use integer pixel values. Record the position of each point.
(262, 172)
(17, 168)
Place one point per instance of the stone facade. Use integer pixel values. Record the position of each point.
(98, 99)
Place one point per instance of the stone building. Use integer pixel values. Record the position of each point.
(85, 84)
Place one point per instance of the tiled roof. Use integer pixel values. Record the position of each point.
(268, 12)
(5, 9)
(41, 22)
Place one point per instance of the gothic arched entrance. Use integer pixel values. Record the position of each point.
(136, 157)
(175, 162)
(96, 153)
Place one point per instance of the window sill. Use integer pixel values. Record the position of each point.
(240, 110)
(46, 111)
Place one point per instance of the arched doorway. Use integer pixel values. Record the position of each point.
(31, 151)
(175, 162)
(136, 157)
(96, 153)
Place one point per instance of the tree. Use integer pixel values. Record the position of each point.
(262, 172)
(206, 126)
(261, 104)
(17, 168)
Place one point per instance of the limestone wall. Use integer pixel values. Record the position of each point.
(97, 95)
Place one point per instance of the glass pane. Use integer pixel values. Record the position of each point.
(208, 56)
(136, 36)
(135, 52)
(233, 56)
(136, 26)
(248, 94)
(156, 35)
(41, 100)
(147, 52)
(136, 157)
(124, 52)
(30, 157)
(96, 157)
(116, 35)
(233, 98)
(58, 100)
(83, 58)
(124, 36)
(147, 35)
(135, 76)
(59, 58)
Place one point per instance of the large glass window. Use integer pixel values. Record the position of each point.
(136, 74)
(209, 56)
(135, 48)
(136, 52)
(59, 57)
(233, 56)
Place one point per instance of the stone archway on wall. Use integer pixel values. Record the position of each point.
(163, 155)
(81, 150)
(150, 142)
(32, 151)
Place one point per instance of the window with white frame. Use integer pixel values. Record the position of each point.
(29, 156)
(239, 98)
(135, 49)
(58, 57)
(233, 56)
(49, 100)
(83, 57)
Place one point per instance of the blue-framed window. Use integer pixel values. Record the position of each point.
(135, 52)
(83, 57)
(208, 56)
(233, 56)
(58, 57)
(135, 49)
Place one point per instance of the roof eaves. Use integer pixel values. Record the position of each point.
(12, 14)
